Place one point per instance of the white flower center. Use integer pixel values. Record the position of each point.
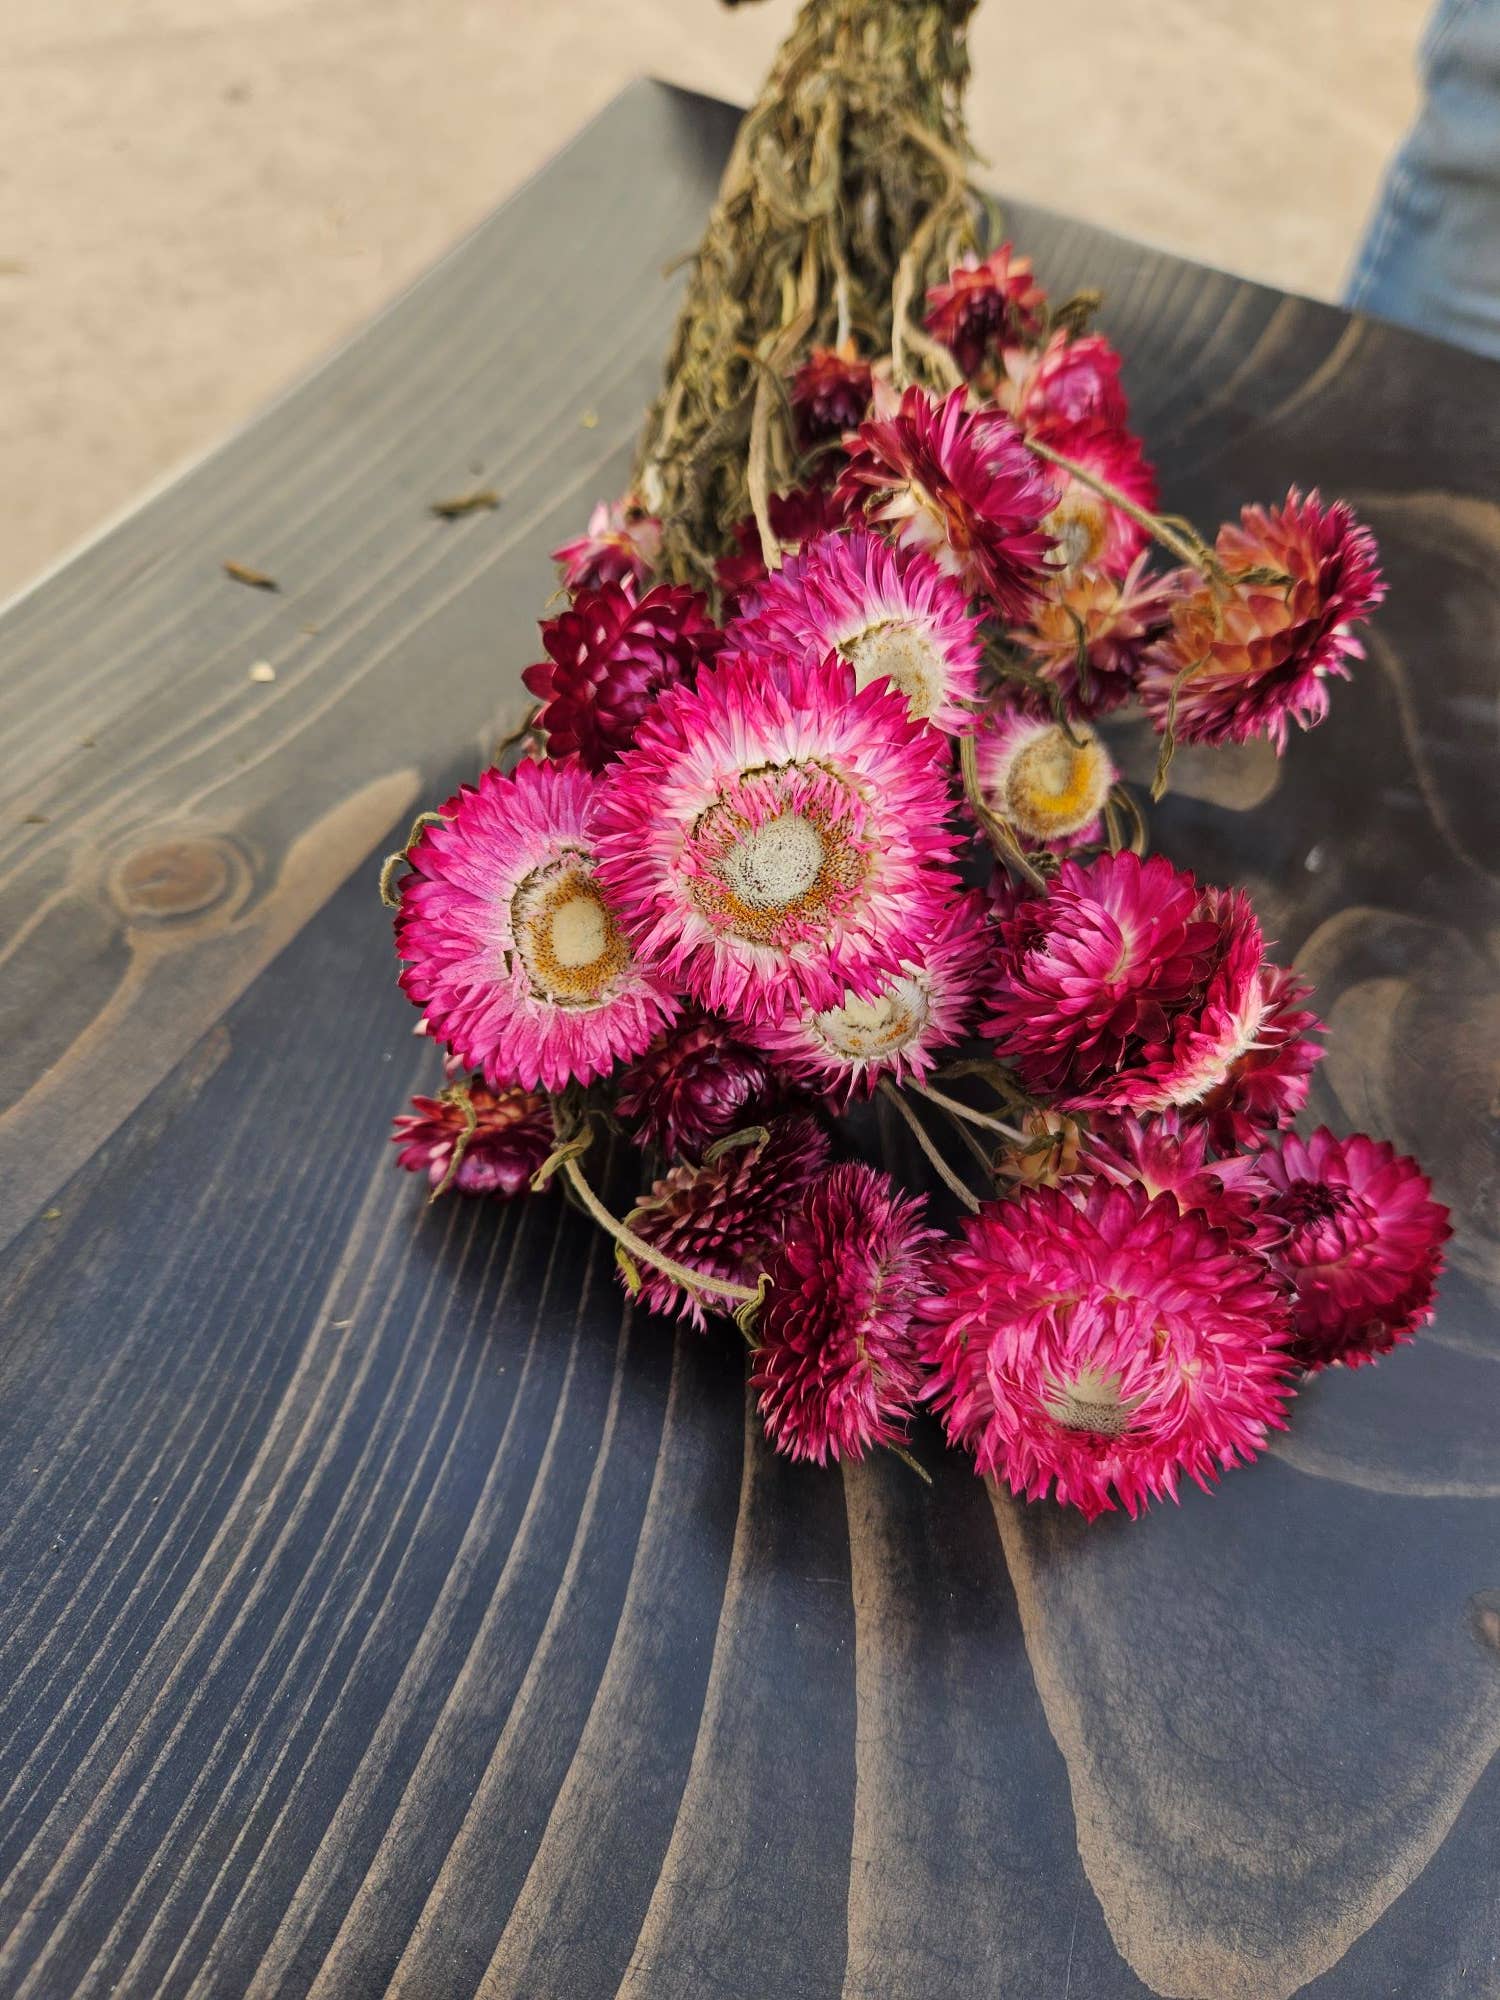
(903, 654)
(1091, 1402)
(865, 1030)
(775, 863)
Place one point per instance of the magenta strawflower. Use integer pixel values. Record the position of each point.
(1266, 1083)
(1051, 783)
(511, 1136)
(982, 305)
(1089, 532)
(1127, 986)
(835, 1367)
(892, 613)
(1101, 1348)
(698, 1081)
(771, 845)
(1168, 1154)
(796, 516)
(1067, 381)
(610, 656)
(725, 1216)
(1363, 1244)
(960, 483)
(621, 546)
(916, 1015)
(512, 949)
(830, 393)
(1111, 620)
(1252, 658)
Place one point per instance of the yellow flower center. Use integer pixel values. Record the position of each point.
(865, 1030)
(566, 938)
(1052, 787)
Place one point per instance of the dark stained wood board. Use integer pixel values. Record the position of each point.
(384, 1607)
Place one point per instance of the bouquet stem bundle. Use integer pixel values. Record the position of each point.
(817, 808)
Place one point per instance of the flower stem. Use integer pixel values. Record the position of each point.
(680, 1274)
(934, 1158)
(1002, 834)
(1193, 553)
(958, 1109)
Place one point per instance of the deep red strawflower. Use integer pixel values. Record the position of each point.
(835, 1366)
(1363, 1246)
(726, 1215)
(695, 1084)
(611, 655)
(830, 393)
(960, 483)
(512, 1136)
(1252, 659)
(983, 305)
(1067, 381)
(1266, 1085)
(796, 516)
(1090, 532)
(621, 546)
(1089, 632)
(1127, 986)
(1100, 1348)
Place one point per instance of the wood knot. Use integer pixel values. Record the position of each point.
(1484, 1618)
(172, 880)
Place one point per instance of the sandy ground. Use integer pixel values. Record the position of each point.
(198, 197)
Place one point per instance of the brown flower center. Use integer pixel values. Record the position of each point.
(571, 946)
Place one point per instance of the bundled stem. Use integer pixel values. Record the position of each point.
(844, 197)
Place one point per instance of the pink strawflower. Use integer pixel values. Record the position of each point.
(772, 844)
(1266, 1084)
(796, 516)
(843, 1051)
(835, 1366)
(511, 946)
(1109, 621)
(512, 1135)
(960, 483)
(1067, 381)
(610, 656)
(892, 613)
(830, 393)
(725, 1216)
(1101, 1348)
(982, 305)
(697, 1082)
(621, 546)
(1252, 658)
(1126, 986)
(1363, 1246)
(1089, 532)
(1051, 783)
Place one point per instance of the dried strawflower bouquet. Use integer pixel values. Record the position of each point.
(813, 807)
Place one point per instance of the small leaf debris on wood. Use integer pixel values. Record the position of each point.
(255, 578)
(481, 501)
(263, 671)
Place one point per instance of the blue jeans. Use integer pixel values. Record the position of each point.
(1431, 255)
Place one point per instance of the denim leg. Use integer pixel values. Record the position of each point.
(1431, 254)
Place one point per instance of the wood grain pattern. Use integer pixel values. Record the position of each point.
(385, 1607)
